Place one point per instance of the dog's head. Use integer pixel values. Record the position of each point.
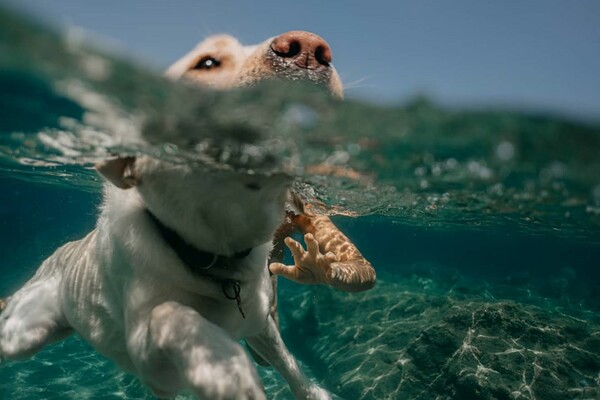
(224, 213)
(221, 212)
(222, 62)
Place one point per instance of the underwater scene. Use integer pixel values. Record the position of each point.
(483, 226)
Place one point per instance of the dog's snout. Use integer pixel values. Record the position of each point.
(304, 49)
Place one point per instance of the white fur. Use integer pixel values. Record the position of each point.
(128, 294)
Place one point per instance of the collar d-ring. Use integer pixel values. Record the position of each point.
(212, 263)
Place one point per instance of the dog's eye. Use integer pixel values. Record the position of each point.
(207, 63)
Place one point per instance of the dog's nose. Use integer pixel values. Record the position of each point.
(305, 49)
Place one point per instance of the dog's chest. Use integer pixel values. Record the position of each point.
(226, 314)
(238, 299)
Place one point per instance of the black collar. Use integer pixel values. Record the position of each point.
(198, 261)
(203, 263)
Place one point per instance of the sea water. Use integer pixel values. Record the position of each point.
(484, 227)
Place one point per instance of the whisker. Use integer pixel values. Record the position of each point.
(357, 83)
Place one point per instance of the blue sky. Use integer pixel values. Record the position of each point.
(542, 55)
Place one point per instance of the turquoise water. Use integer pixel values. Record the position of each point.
(483, 226)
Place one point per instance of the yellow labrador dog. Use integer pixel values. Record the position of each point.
(222, 62)
(175, 273)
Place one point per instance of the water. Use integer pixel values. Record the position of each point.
(483, 226)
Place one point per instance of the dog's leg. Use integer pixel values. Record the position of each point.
(179, 349)
(270, 346)
(275, 315)
(31, 319)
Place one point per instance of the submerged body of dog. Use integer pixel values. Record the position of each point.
(175, 273)
(129, 293)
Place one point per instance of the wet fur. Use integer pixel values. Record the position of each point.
(126, 292)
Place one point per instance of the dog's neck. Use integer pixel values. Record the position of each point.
(213, 266)
(198, 261)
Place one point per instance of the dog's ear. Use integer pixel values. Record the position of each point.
(119, 171)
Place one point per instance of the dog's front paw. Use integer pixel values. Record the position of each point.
(233, 377)
(310, 266)
(316, 393)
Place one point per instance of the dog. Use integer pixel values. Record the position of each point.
(176, 271)
(222, 62)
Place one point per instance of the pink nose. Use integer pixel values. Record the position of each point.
(305, 49)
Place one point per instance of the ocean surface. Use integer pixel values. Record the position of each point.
(483, 226)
